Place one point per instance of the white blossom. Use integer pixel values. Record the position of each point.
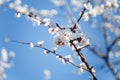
(85, 16)
(93, 70)
(46, 52)
(47, 74)
(2, 73)
(51, 30)
(40, 43)
(18, 15)
(31, 45)
(5, 63)
(59, 58)
(55, 48)
(4, 55)
(46, 21)
(63, 61)
(68, 57)
(108, 3)
(88, 6)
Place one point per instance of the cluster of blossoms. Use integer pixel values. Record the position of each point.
(40, 43)
(5, 62)
(100, 9)
(64, 36)
(84, 68)
(71, 37)
(31, 13)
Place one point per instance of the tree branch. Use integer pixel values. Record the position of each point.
(101, 55)
(112, 69)
(111, 45)
(84, 61)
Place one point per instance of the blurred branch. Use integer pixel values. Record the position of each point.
(69, 11)
(114, 72)
(99, 54)
(112, 44)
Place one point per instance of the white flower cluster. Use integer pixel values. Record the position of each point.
(64, 36)
(31, 13)
(84, 68)
(40, 43)
(67, 58)
(5, 62)
(16, 5)
(113, 3)
(46, 21)
(97, 10)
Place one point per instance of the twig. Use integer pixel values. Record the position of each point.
(84, 9)
(49, 51)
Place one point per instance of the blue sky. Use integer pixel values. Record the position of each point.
(30, 63)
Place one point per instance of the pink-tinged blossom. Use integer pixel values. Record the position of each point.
(82, 67)
(51, 30)
(68, 57)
